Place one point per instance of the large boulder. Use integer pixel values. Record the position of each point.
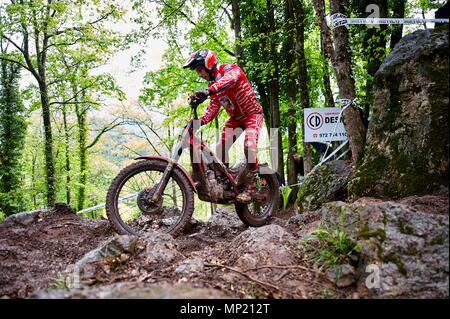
(325, 183)
(403, 245)
(407, 149)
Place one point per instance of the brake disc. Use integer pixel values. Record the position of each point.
(148, 207)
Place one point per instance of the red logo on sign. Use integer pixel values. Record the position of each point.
(314, 121)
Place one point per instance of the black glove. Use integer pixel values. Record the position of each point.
(201, 95)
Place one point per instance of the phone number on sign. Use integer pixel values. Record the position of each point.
(322, 135)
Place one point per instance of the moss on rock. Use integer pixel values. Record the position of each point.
(407, 147)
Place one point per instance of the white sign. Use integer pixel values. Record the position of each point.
(324, 125)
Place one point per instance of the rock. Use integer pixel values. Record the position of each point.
(346, 278)
(324, 184)
(24, 218)
(131, 290)
(407, 146)
(63, 208)
(225, 217)
(403, 252)
(111, 249)
(266, 245)
(303, 219)
(160, 248)
(79, 274)
(189, 266)
(171, 211)
(27, 218)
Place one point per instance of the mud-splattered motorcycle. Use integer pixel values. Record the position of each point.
(158, 193)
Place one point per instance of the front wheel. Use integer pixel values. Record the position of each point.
(129, 211)
(263, 205)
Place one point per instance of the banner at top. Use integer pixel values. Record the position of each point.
(339, 19)
(323, 125)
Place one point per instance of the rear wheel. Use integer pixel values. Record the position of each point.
(129, 211)
(263, 205)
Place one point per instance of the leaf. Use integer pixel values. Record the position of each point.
(286, 192)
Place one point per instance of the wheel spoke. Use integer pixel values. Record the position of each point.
(137, 214)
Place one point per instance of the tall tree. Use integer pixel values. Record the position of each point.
(12, 136)
(289, 50)
(341, 61)
(328, 93)
(372, 40)
(274, 85)
(34, 28)
(237, 33)
(300, 17)
(398, 11)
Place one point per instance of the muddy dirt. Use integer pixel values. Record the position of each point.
(33, 254)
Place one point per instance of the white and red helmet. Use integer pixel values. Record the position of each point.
(203, 57)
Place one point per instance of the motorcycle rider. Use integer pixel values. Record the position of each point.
(229, 87)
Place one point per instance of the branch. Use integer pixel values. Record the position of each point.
(148, 139)
(245, 275)
(207, 33)
(149, 142)
(16, 62)
(227, 13)
(319, 7)
(61, 44)
(80, 29)
(107, 128)
(12, 42)
(132, 150)
(289, 267)
(168, 16)
(68, 101)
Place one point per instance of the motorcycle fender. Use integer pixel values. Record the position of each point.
(167, 160)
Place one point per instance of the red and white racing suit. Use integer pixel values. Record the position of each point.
(233, 91)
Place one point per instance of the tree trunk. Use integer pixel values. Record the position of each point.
(398, 11)
(326, 77)
(273, 83)
(237, 33)
(66, 133)
(291, 92)
(45, 104)
(374, 51)
(264, 101)
(81, 113)
(48, 149)
(341, 60)
(12, 138)
(302, 77)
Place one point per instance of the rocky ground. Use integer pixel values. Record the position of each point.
(42, 253)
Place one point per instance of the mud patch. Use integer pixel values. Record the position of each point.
(33, 255)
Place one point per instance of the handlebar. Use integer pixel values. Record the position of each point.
(194, 105)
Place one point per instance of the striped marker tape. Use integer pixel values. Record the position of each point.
(339, 19)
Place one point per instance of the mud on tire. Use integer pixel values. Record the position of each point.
(124, 211)
(256, 215)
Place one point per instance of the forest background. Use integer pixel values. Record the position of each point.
(88, 85)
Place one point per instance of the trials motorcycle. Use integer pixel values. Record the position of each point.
(157, 193)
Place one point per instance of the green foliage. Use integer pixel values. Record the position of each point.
(82, 38)
(12, 136)
(286, 191)
(330, 246)
(60, 282)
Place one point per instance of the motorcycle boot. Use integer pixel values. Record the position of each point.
(249, 187)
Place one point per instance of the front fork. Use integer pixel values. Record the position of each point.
(162, 183)
(154, 196)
